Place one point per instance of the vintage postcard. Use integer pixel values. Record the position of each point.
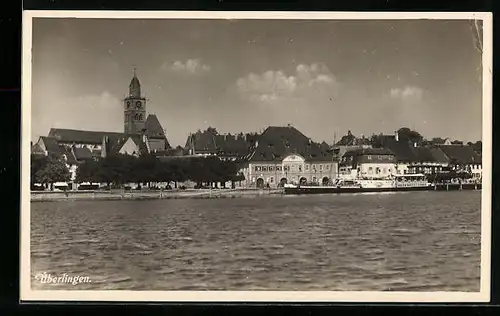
(256, 156)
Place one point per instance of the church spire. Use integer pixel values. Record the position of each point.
(135, 86)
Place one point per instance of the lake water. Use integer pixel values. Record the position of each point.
(414, 241)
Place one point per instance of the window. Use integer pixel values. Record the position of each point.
(272, 180)
(257, 168)
(300, 168)
(369, 157)
(307, 167)
(370, 170)
(327, 167)
(271, 168)
(278, 168)
(320, 167)
(264, 168)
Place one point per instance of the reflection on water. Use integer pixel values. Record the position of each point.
(415, 241)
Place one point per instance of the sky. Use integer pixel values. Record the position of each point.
(323, 77)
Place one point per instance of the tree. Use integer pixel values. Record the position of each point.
(54, 170)
(38, 162)
(376, 141)
(457, 142)
(407, 135)
(212, 130)
(112, 169)
(437, 141)
(87, 171)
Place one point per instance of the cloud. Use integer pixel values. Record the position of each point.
(101, 112)
(407, 93)
(275, 85)
(191, 66)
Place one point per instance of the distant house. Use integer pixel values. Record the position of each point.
(463, 157)
(350, 142)
(225, 146)
(369, 163)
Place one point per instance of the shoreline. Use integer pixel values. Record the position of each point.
(97, 195)
(47, 196)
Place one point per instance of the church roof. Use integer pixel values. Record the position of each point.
(143, 148)
(80, 136)
(135, 87)
(116, 143)
(82, 153)
(154, 128)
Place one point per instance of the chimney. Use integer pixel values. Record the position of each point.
(256, 143)
(396, 136)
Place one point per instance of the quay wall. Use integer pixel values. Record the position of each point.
(40, 196)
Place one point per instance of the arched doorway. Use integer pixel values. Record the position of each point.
(283, 181)
(260, 183)
(325, 181)
(303, 181)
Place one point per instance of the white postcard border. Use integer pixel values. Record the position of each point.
(27, 294)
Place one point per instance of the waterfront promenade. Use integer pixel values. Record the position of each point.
(149, 194)
(40, 196)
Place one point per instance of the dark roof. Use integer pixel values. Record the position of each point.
(116, 143)
(82, 153)
(403, 151)
(51, 145)
(154, 128)
(369, 151)
(461, 153)
(67, 152)
(135, 87)
(225, 145)
(80, 136)
(439, 155)
(423, 154)
(276, 142)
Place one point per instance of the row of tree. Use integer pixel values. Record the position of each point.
(121, 169)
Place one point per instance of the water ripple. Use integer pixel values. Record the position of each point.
(422, 241)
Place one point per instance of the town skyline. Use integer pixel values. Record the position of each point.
(423, 75)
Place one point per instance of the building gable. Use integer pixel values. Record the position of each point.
(129, 147)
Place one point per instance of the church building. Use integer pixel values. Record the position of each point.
(141, 134)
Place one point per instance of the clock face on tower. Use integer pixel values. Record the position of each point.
(138, 104)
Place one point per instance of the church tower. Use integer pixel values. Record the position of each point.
(135, 108)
